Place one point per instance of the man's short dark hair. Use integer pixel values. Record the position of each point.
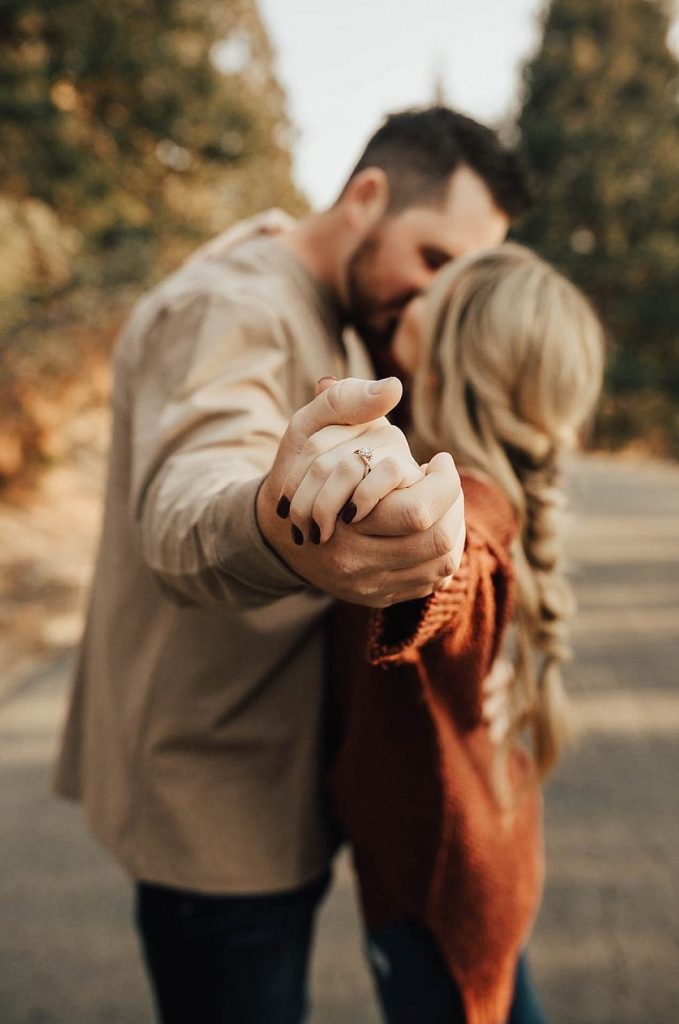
(418, 150)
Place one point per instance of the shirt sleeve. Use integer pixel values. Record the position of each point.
(455, 635)
(209, 402)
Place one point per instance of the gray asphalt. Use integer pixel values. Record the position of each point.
(606, 944)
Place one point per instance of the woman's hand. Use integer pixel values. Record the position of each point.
(330, 479)
(405, 547)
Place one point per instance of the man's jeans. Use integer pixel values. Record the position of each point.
(228, 959)
(414, 986)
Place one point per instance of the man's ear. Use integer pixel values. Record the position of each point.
(365, 199)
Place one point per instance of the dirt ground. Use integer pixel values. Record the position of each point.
(48, 537)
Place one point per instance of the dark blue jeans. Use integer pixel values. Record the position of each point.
(414, 986)
(228, 959)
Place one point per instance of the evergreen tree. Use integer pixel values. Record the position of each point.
(600, 129)
(141, 120)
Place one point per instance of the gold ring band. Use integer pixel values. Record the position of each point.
(365, 455)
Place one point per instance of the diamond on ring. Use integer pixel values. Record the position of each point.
(365, 455)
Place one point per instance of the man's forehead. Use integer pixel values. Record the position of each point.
(467, 220)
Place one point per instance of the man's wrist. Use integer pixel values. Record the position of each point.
(271, 527)
(264, 512)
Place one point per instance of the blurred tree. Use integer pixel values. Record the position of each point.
(144, 124)
(600, 129)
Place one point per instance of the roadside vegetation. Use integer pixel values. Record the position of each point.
(134, 131)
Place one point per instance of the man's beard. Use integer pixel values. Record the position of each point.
(363, 311)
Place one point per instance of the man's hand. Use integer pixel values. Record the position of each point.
(415, 545)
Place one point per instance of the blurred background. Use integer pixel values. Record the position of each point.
(130, 133)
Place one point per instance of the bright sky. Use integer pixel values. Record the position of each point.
(346, 63)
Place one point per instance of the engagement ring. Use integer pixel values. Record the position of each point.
(365, 455)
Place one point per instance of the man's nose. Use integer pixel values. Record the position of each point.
(421, 280)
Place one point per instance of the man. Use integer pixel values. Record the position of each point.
(194, 736)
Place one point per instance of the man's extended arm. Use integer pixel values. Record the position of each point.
(208, 403)
(211, 421)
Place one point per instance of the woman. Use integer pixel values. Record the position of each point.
(505, 361)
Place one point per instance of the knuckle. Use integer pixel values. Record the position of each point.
(417, 517)
(444, 538)
(345, 567)
(396, 435)
(455, 480)
(342, 397)
(379, 429)
(375, 590)
(349, 564)
(348, 467)
(449, 565)
(294, 429)
(313, 447)
(322, 467)
(391, 465)
(334, 393)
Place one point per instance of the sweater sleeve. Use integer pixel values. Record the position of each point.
(209, 402)
(455, 635)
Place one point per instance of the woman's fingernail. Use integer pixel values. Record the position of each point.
(348, 512)
(328, 376)
(314, 532)
(283, 507)
(297, 535)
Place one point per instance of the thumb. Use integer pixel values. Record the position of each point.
(349, 402)
(443, 467)
(442, 462)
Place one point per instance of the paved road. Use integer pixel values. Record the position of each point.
(606, 945)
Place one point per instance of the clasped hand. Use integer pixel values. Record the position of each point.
(406, 532)
(329, 478)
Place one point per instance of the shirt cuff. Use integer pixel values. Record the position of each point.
(241, 550)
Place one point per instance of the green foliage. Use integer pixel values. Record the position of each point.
(129, 131)
(600, 129)
(145, 124)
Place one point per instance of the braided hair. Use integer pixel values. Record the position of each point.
(510, 369)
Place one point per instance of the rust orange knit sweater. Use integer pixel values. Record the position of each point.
(411, 781)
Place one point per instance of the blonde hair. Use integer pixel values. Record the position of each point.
(510, 369)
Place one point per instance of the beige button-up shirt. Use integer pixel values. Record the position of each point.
(194, 733)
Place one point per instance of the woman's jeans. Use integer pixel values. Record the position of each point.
(414, 986)
(228, 959)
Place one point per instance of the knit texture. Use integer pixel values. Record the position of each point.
(411, 781)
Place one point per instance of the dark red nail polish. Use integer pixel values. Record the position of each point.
(297, 535)
(348, 512)
(283, 507)
(314, 532)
